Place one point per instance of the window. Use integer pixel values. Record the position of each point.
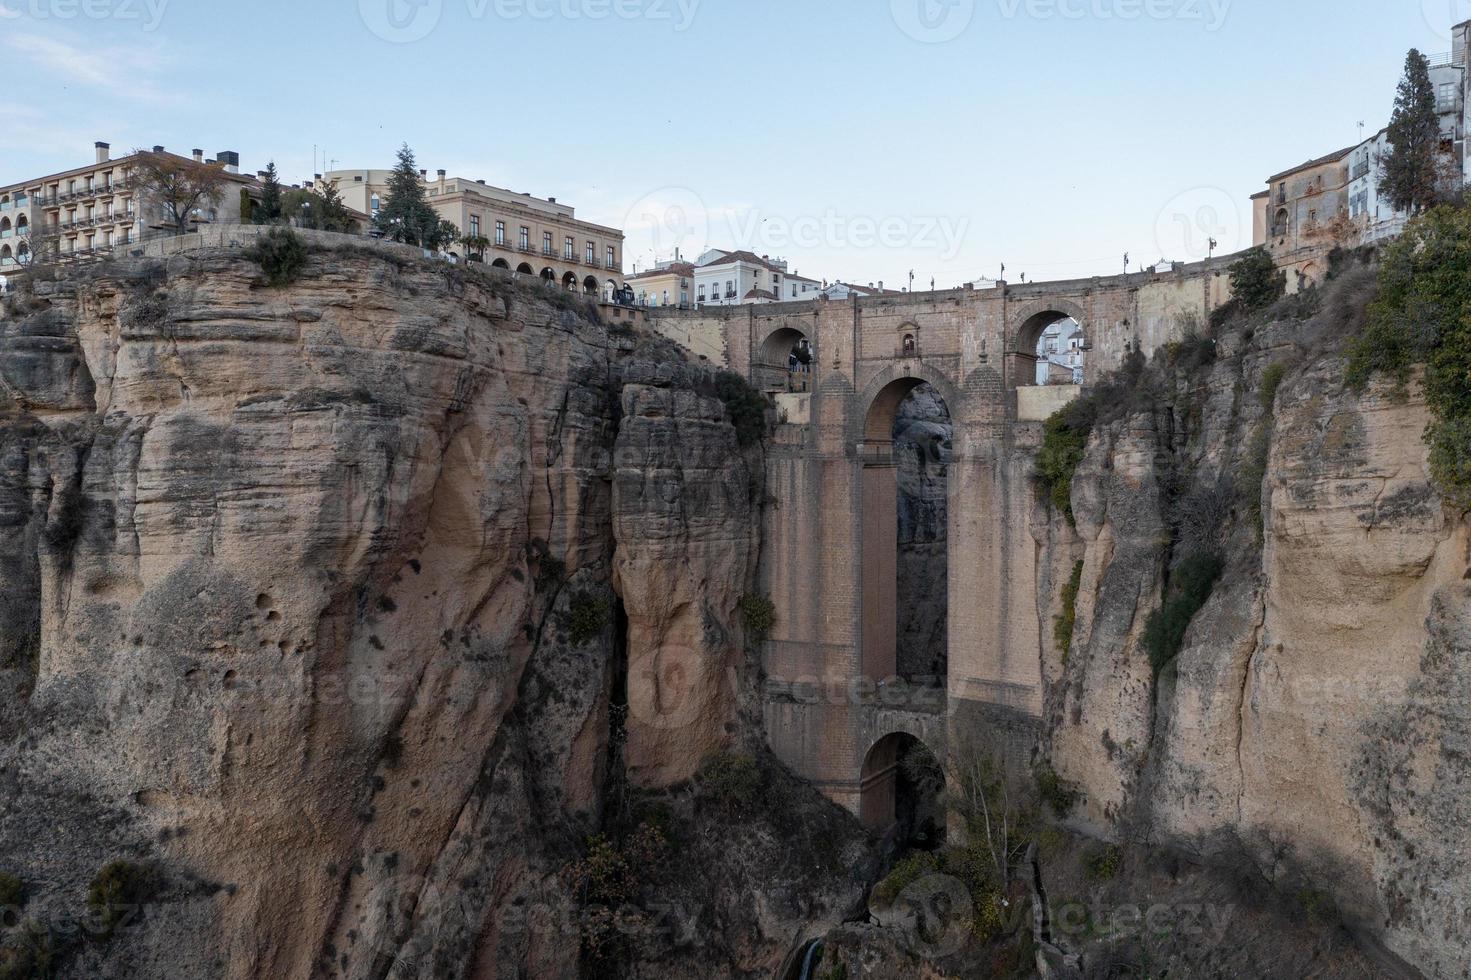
(546, 243)
(612, 255)
(500, 232)
(729, 288)
(525, 239)
(374, 204)
(591, 253)
(1445, 98)
(569, 248)
(474, 226)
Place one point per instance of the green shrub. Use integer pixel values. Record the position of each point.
(1064, 442)
(587, 618)
(1271, 381)
(1103, 863)
(744, 404)
(915, 867)
(12, 891)
(731, 779)
(1423, 315)
(118, 890)
(1190, 588)
(1059, 795)
(1067, 620)
(1255, 281)
(281, 254)
(27, 953)
(758, 613)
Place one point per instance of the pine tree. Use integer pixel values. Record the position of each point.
(1415, 168)
(407, 215)
(268, 212)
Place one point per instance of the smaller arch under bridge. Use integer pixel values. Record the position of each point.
(829, 557)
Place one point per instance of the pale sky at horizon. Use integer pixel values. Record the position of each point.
(860, 141)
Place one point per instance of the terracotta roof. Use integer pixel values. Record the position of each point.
(677, 269)
(1330, 158)
(867, 290)
(750, 258)
(761, 294)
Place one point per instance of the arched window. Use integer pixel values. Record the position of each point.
(910, 348)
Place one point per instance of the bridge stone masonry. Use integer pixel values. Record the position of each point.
(834, 705)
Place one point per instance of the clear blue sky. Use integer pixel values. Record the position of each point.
(1052, 135)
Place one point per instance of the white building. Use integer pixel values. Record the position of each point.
(743, 278)
(847, 290)
(1060, 354)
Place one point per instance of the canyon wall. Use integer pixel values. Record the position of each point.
(352, 609)
(1312, 727)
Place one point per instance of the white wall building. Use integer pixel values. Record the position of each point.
(1060, 353)
(741, 278)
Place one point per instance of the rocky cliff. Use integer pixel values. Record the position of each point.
(1310, 728)
(340, 618)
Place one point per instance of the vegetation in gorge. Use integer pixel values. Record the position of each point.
(1067, 620)
(1423, 316)
(758, 613)
(745, 405)
(1190, 588)
(1255, 281)
(281, 254)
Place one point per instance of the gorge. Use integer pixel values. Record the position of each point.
(407, 620)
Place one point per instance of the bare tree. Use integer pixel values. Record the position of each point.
(178, 186)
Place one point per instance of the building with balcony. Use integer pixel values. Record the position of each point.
(667, 284)
(529, 235)
(1334, 200)
(742, 278)
(91, 209)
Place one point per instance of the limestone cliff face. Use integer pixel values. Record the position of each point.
(1314, 718)
(316, 596)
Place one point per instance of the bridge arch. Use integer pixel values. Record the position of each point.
(883, 395)
(1026, 329)
(901, 785)
(773, 368)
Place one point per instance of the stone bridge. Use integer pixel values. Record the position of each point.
(830, 537)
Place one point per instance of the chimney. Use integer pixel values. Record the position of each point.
(480, 182)
(440, 174)
(551, 200)
(881, 285)
(230, 159)
(423, 175)
(102, 153)
(198, 156)
(158, 149)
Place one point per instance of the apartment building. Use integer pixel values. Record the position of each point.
(1334, 200)
(742, 278)
(529, 235)
(668, 284)
(95, 207)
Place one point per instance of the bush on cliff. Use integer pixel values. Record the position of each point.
(281, 254)
(1190, 588)
(745, 405)
(1067, 620)
(1423, 316)
(1255, 281)
(119, 891)
(587, 617)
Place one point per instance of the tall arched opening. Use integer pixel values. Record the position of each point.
(905, 534)
(784, 362)
(1050, 350)
(902, 787)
